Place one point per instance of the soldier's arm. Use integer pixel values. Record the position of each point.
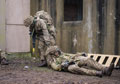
(42, 25)
(52, 31)
(55, 66)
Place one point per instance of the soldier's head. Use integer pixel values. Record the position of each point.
(57, 52)
(28, 21)
(53, 50)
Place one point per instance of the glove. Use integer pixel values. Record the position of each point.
(65, 65)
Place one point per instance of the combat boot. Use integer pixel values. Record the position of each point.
(99, 74)
(108, 71)
(43, 63)
(4, 62)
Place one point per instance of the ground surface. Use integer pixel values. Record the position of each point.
(16, 73)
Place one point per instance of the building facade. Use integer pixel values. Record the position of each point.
(84, 25)
(14, 37)
(91, 26)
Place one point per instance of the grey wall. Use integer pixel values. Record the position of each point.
(2, 24)
(17, 35)
(14, 36)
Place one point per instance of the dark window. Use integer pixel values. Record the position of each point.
(73, 10)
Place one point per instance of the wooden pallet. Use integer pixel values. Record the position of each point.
(106, 60)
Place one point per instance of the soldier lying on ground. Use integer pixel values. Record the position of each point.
(3, 60)
(42, 26)
(76, 63)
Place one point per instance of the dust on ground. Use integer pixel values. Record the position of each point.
(17, 73)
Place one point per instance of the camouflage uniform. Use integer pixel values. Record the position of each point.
(43, 37)
(42, 25)
(2, 54)
(3, 60)
(81, 62)
(49, 23)
(45, 22)
(79, 66)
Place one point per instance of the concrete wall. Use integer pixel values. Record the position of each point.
(86, 32)
(2, 24)
(94, 34)
(17, 35)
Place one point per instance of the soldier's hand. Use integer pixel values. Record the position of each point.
(65, 65)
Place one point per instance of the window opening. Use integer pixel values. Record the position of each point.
(73, 10)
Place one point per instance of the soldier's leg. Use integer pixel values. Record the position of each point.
(83, 71)
(41, 48)
(95, 65)
(90, 63)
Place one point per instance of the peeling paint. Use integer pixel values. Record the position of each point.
(74, 41)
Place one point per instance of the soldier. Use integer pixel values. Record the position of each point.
(76, 63)
(3, 60)
(49, 22)
(42, 26)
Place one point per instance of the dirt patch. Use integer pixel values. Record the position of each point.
(16, 73)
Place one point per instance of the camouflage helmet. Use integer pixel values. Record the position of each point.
(39, 13)
(52, 49)
(44, 15)
(28, 21)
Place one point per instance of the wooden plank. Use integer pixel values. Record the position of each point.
(101, 59)
(116, 61)
(95, 57)
(103, 56)
(109, 61)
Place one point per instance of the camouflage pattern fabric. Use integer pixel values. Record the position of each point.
(2, 54)
(82, 62)
(28, 21)
(42, 25)
(45, 16)
(79, 66)
(3, 60)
